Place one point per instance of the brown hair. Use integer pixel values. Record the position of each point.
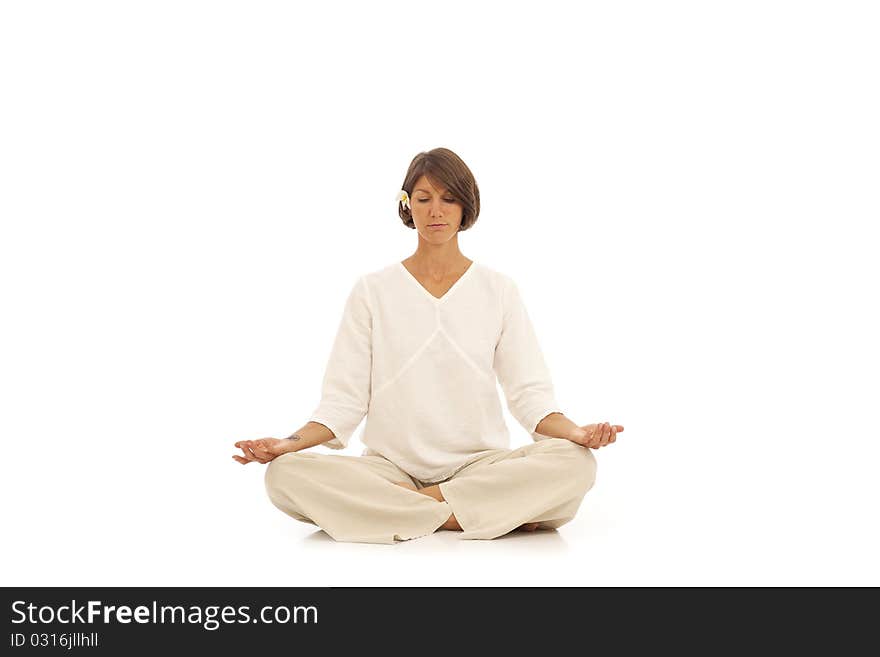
(443, 168)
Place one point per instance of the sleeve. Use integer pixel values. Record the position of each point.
(520, 366)
(345, 390)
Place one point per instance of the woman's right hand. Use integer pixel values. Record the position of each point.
(596, 435)
(262, 450)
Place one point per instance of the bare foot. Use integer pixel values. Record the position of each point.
(432, 492)
(527, 527)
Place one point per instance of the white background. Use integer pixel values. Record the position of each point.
(685, 192)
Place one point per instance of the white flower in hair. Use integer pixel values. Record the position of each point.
(403, 197)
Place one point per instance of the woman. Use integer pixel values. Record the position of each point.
(417, 352)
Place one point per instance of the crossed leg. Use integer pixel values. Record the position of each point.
(354, 498)
(452, 523)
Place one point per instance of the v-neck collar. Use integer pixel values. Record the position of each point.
(448, 293)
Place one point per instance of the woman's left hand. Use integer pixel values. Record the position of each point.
(595, 435)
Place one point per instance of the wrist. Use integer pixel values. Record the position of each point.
(577, 435)
(292, 442)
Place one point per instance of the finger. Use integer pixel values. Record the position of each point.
(247, 453)
(613, 435)
(262, 459)
(591, 441)
(618, 427)
(262, 452)
(604, 434)
(240, 460)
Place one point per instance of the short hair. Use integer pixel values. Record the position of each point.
(443, 168)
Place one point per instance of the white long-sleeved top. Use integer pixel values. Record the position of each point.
(423, 370)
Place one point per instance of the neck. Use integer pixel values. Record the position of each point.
(438, 259)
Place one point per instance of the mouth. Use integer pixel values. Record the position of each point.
(434, 225)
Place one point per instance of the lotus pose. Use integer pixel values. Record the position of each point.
(420, 347)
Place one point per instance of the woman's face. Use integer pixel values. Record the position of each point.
(430, 205)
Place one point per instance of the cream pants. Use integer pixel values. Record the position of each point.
(354, 498)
